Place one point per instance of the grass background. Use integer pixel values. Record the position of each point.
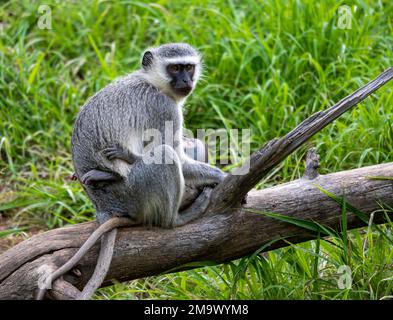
(269, 65)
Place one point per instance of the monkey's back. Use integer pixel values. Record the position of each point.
(118, 114)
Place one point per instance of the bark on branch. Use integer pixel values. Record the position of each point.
(220, 238)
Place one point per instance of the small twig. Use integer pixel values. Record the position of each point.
(233, 189)
(312, 164)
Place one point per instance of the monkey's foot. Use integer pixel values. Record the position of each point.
(94, 176)
(196, 209)
(118, 152)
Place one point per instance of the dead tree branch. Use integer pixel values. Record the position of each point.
(234, 188)
(226, 236)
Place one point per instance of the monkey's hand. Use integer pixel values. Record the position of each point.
(215, 177)
(221, 175)
(118, 152)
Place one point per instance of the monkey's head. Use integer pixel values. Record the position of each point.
(173, 68)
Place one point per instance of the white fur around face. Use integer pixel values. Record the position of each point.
(158, 77)
(183, 60)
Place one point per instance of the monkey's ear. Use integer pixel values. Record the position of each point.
(147, 59)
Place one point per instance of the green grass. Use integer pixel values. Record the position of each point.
(269, 65)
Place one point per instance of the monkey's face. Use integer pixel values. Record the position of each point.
(182, 78)
(172, 68)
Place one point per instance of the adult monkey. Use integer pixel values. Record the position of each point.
(131, 182)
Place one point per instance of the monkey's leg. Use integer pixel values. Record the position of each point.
(94, 176)
(112, 223)
(118, 152)
(195, 210)
(201, 174)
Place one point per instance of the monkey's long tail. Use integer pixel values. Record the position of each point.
(109, 225)
(102, 266)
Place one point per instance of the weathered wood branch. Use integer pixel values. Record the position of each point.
(234, 188)
(223, 237)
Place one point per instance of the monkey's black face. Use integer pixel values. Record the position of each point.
(182, 78)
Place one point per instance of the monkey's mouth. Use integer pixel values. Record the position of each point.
(183, 91)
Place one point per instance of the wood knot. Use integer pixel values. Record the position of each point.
(76, 272)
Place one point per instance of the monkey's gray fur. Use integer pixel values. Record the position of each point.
(117, 116)
(111, 160)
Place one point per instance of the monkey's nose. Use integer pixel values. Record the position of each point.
(188, 83)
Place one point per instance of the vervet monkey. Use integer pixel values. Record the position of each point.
(130, 179)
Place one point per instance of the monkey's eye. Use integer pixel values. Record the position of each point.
(173, 68)
(189, 67)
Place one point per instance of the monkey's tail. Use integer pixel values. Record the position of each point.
(109, 225)
(102, 266)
